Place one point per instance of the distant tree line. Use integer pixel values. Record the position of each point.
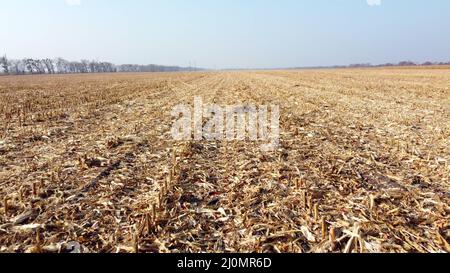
(152, 68)
(53, 66)
(403, 63)
(62, 66)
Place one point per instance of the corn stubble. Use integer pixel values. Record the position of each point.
(87, 164)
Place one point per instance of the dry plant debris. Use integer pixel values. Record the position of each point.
(87, 164)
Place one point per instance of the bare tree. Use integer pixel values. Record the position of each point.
(14, 67)
(61, 65)
(4, 64)
(49, 66)
(85, 66)
(29, 65)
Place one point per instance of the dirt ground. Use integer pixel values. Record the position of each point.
(88, 164)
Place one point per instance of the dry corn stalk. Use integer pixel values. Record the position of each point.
(348, 141)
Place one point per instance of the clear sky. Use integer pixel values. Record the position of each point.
(228, 33)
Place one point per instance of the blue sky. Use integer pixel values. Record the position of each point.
(227, 33)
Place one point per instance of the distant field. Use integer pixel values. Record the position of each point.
(87, 164)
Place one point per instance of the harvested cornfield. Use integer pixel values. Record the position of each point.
(88, 164)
